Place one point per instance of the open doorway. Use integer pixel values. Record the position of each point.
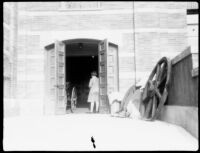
(81, 60)
(73, 60)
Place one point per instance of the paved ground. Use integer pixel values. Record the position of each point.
(74, 132)
(79, 111)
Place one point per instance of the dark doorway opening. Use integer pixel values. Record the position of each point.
(81, 60)
(78, 73)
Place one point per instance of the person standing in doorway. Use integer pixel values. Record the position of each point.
(93, 97)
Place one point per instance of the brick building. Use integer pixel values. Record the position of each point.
(10, 58)
(123, 40)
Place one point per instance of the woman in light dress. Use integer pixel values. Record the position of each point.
(93, 97)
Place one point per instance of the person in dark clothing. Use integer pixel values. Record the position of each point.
(67, 92)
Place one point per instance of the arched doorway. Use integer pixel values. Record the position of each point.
(72, 61)
(81, 60)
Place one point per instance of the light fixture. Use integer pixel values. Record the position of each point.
(80, 45)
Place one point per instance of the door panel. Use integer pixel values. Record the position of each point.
(50, 81)
(60, 106)
(108, 73)
(55, 79)
(103, 107)
(112, 68)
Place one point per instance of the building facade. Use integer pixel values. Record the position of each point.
(140, 33)
(10, 58)
(192, 27)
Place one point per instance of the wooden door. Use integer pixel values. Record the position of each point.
(108, 73)
(112, 68)
(60, 106)
(54, 79)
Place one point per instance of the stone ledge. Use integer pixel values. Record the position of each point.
(186, 53)
(181, 56)
(195, 72)
(195, 60)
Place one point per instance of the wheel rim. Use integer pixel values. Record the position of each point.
(156, 89)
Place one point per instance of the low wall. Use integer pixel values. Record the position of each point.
(181, 107)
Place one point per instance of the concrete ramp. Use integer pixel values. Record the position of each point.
(73, 132)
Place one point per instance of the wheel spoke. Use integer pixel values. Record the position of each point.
(158, 93)
(162, 79)
(151, 86)
(154, 107)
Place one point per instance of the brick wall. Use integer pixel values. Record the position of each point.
(33, 6)
(10, 59)
(56, 6)
(192, 29)
(63, 21)
(159, 30)
(76, 22)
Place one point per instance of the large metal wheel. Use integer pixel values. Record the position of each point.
(156, 90)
